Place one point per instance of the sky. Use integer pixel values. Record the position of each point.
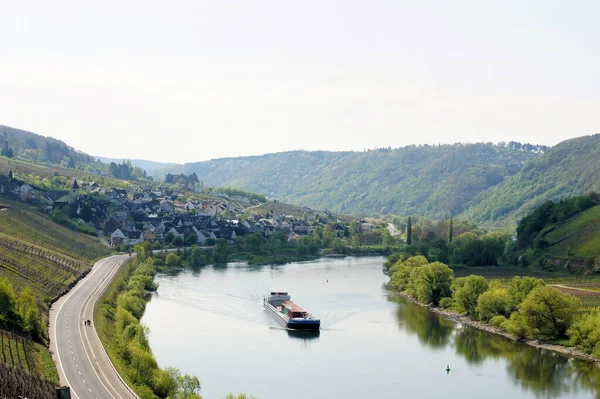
(185, 81)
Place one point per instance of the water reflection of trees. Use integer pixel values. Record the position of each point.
(431, 330)
(545, 373)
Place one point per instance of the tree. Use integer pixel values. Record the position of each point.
(166, 382)
(10, 174)
(451, 231)
(409, 231)
(467, 291)
(548, 313)
(401, 271)
(7, 297)
(178, 241)
(172, 260)
(189, 385)
(220, 251)
(198, 257)
(191, 239)
(169, 237)
(431, 283)
(519, 287)
(496, 301)
(585, 333)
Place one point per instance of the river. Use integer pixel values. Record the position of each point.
(211, 323)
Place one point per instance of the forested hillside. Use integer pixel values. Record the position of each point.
(563, 234)
(425, 180)
(22, 146)
(568, 169)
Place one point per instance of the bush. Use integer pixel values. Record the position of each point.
(515, 325)
(497, 321)
(446, 303)
(496, 301)
(467, 291)
(585, 333)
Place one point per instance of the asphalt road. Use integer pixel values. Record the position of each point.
(80, 358)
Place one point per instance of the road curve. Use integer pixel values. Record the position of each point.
(81, 360)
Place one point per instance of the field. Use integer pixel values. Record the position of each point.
(503, 272)
(27, 224)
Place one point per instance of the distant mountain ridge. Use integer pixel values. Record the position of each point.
(484, 182)
(433, 181)
(149, 166)
(568, 169)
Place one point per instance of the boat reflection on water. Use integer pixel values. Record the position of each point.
(304, 334)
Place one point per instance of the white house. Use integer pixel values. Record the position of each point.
(117, 237)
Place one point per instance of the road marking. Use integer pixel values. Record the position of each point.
(110, 266)
(84, 382)
(56, 317)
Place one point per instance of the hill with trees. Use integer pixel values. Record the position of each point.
(560, 235)
(33, 149)
(568, 169)
(431, 181)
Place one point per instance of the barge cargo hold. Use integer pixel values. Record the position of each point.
(288, 314)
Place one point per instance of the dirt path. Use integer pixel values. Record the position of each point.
(575, 291)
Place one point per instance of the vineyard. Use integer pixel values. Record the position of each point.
(19, 352)
(33, 228)
(46, 272)
(20, 167)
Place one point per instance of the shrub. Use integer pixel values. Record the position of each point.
(447, 302)
(497, 321)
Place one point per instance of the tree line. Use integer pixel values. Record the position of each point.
(524, 307)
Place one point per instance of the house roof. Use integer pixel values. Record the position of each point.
(135, 234)
(55, 195)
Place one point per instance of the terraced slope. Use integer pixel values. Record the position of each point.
(26, 224)
(37, 253)
(580, 235)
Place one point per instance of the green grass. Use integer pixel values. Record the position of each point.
(580, 235)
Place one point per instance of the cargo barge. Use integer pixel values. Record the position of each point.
(288, 314)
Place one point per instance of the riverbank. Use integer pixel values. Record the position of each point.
(450, 315)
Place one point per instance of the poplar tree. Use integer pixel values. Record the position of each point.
(409, 231)
(450, 231)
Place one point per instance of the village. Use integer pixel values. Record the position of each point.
(158, 214)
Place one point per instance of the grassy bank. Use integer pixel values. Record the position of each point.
(117, 317)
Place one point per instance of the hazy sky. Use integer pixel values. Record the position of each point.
(185, 81)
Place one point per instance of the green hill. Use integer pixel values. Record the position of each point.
(431, 181)
(580, 235)
(568, 169)
(36, 148)
(559, 234)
